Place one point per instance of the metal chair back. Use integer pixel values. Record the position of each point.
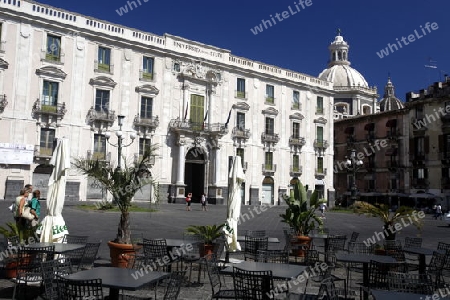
(69, 289)
(252, 285)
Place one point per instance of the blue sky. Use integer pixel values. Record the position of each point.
(299, 42)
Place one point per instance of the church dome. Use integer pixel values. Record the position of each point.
(339, 71)
(389, 101)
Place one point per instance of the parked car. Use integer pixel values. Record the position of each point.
(447, 218)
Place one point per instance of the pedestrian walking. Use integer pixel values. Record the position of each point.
(204, 202)
(438, 213)
(322, 208)
(188, 201)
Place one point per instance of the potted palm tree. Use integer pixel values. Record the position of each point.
(301, 214)
(123, 183)
(389, 218)
(208, 234)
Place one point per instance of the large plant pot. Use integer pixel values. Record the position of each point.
(205, 249)
(301, 240)
(120, 254)
(11, 267)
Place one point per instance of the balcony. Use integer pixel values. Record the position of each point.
(270, 138)
(241, 133)
(146, 76)
(42, 154)
(148, 124)
(319, 111)
(100, 156)
(322, 144)
(295, 171)
(188, 127)
(420, 183)
(320, 173)
(103, 68)
(418, 156)
(240, 94)
(52, 58)
(269, 170)
(3, 103)
(296, 141)
(270, 100)
(40, 110)
(97, 116)
(296, 106)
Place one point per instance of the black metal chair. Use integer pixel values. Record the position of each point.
(75, 239)
(378, 276)
(412, 242)
(435, 269)
(353, 239)
(215, 279)
(410, 283)
(69, 289)
(154, 251)
(252, 245)
(273, 256)
(89, 256)
(412, 260)
(28, 266)
(50, 269)
(252, 285)
(256, 233)
(392, 245)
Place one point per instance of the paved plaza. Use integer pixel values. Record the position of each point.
(171, 219)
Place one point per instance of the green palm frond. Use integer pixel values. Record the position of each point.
(208, 233)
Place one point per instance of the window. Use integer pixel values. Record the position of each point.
(269, 126)
(102, 100)
(420, 173)
(46, 142)
(104, 59)
(270, 92)
(49, 95)
(268, 162)
(99, 147)
(240, 88)
(240, 121)
(176, 67)
(419, 112)
(295, 162)
(319, 106)
(295, 130)
(197, 111)
(393, 184)
(295, 100)
(146, 107)
(320, 165)
(420, 146)
(53, 48)
(240, 152)
(143, 144)
(147, 68)
(319, 136)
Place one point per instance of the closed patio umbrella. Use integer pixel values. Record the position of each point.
(235, 180)
(53, 227)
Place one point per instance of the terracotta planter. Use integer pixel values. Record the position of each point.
(380, 252)
(301, 240)
(11, 266)
(206, 249)
(120, 254)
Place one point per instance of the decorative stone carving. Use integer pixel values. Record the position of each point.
(320, 120)
(296, 116)
(241, 106)
(147, 89)
(102, 81)
(270, 111)
(51, 71)
(3, 64)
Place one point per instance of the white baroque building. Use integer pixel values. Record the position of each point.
(67, 75)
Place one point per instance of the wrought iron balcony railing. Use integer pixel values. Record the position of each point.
(269, 169)
(295, 170)
(188, 126)
(296, 141)
(152, 122)
(58, 109)
(321, 144)
(106, 116)
(100, 156)
(270, 138)
(239, 132)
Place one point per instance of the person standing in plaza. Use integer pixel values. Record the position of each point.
(29, 187)
(438, 213)
(204, 202)
(35, 207)
(188, 201)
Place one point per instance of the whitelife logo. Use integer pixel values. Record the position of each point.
(411, 38)
(265, 24)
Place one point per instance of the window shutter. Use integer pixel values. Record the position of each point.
(426, 144)
(441, 143)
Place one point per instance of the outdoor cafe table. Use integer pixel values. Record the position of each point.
(422, 252)
(392, 295)
(279, 271)
(117, 279)
(363, 259)
(241, 238)
(60, 248)
(325, 237)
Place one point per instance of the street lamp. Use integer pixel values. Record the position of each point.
(353, 164)
(120, 139)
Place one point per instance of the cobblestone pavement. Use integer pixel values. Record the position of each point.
(171, 219)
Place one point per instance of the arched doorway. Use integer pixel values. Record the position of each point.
(194, 174)
(267, 190)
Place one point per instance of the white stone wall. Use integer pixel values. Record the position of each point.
(26, 38)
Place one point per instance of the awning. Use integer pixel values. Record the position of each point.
(391, 152)
(319, 182)
(424, 196)
(349, 130)
(369, 126)
(391, 123)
